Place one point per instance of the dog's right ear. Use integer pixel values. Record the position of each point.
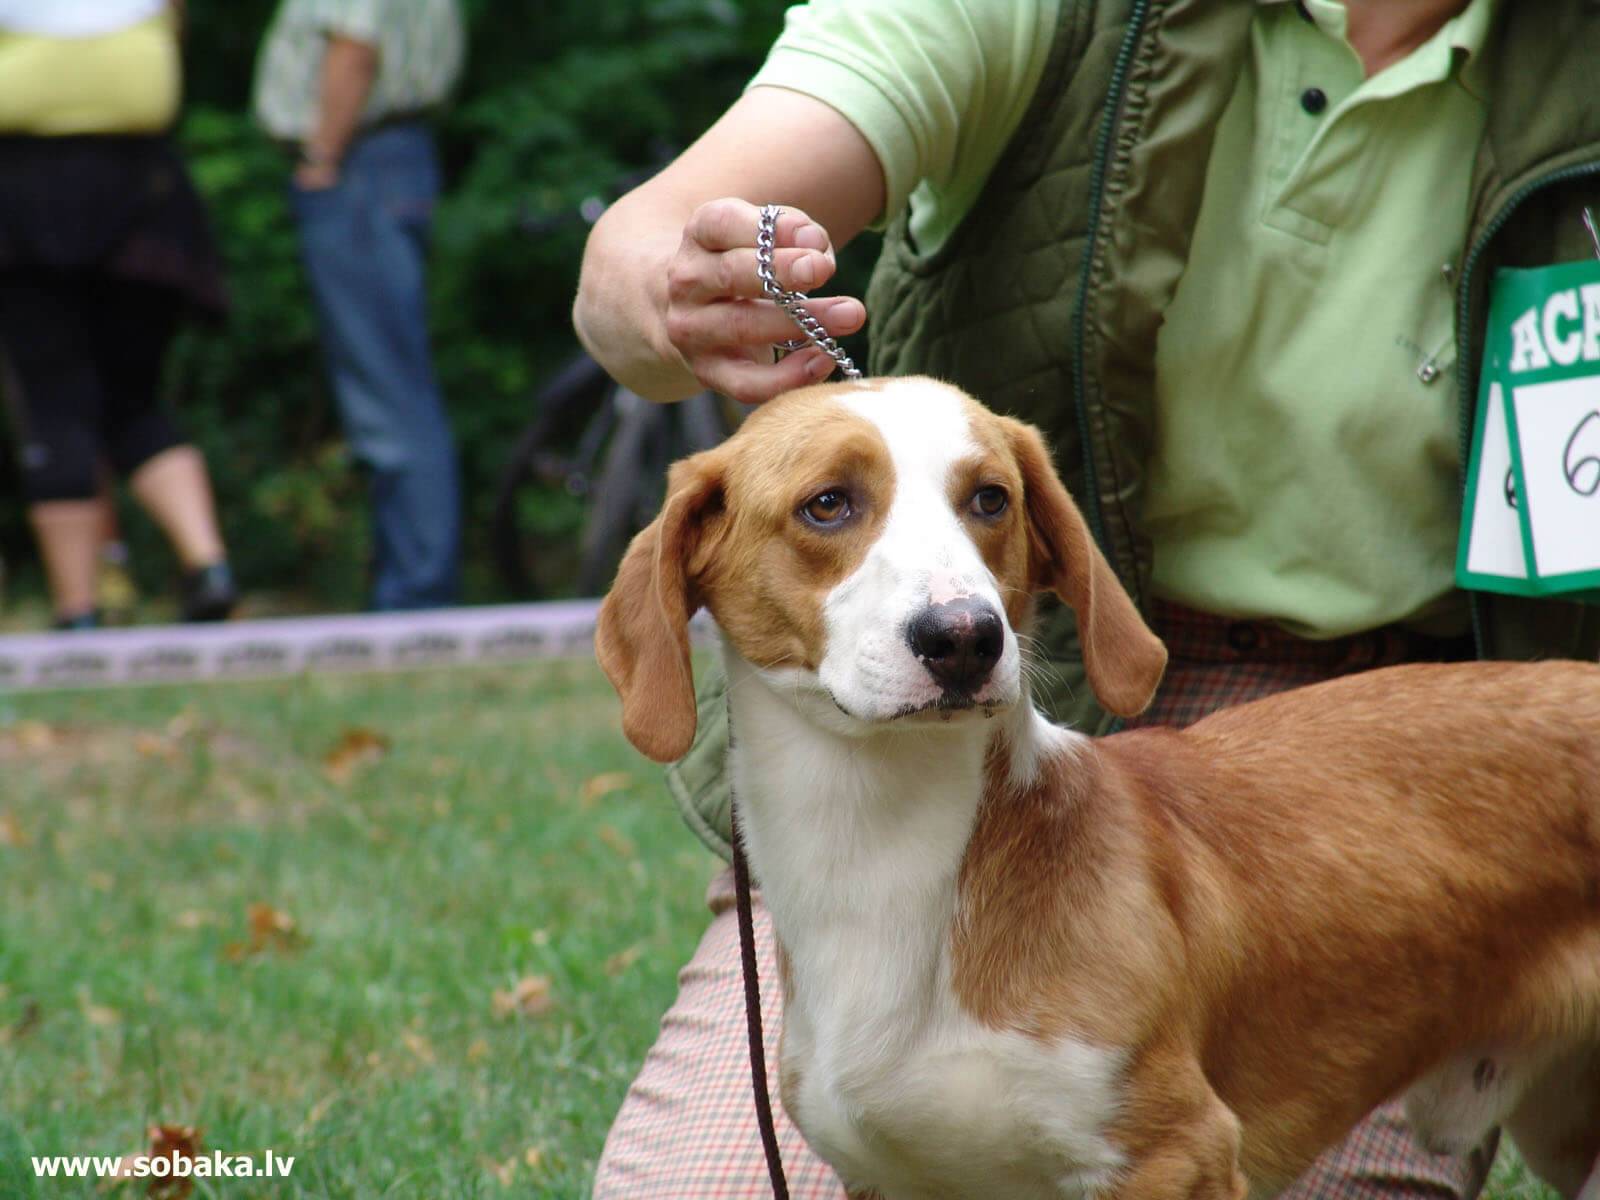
(1123, 658)
(642, 636)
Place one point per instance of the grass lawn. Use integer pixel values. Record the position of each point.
(415, 931)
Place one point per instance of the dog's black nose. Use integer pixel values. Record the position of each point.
(959, 642)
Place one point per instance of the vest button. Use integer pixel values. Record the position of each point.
(1243, 637)
(1313, 100)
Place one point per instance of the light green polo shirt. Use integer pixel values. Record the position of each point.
(1306, 451)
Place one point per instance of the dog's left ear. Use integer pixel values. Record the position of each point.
(1125, 661)
(642, 635)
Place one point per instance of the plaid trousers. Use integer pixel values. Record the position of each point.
(687, 1128)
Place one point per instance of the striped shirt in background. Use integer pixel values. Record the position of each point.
(420, 48)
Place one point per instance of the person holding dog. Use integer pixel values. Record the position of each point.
(1233, 259)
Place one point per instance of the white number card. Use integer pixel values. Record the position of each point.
(1532, 519)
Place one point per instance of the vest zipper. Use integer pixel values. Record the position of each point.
(1465, 353)
(1097, 182)
(1097, 186)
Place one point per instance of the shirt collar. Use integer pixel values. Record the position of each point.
(1464, 36)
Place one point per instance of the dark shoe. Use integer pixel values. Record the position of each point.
(209, 593)
(77, 622)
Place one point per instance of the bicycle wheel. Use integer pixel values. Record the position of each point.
(627, 488)
(566, 410)
(631, 484)
(703, 422)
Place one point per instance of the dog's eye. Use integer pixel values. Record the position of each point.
(989, 502)
(827, 508)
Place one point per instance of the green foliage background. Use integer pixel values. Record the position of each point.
(559, 100)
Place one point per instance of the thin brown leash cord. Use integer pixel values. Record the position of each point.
(752, 1011)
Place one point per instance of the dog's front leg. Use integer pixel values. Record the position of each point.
(1180, 1139)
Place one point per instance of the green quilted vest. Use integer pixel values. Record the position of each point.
(1046, 301)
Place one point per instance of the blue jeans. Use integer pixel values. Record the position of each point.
(364, 243)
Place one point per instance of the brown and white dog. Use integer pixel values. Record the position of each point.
(1022, 963)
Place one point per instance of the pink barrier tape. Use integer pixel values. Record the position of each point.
(259, 649)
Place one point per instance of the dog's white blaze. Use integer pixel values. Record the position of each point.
(922, 555)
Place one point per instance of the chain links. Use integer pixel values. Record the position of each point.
(793, 303)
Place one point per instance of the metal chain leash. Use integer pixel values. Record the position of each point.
(793, 303)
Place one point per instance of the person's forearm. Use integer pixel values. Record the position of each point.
(620, 303)
(348, 70)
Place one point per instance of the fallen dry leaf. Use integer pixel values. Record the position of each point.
(12, 833)
(617, 841)
(96, 1014)
(623, 959)
(268, 928)
(505, 1172)
(23, 1025)
(419, 1046)
(528, 997)
(599, 786)
(266, 921)
(478, 1051)
(166, 1141)
(319, 1110)
(533, 1156)
(356, 748)
(101, 1015)
(35, 736)
(153, 745)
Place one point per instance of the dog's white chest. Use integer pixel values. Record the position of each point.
(955, 1110)
(858, 850)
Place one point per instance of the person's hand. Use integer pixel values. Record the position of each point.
(316, 176)
(718, 319)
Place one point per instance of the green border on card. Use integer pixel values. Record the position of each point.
(1507, 585)
(1514, 291)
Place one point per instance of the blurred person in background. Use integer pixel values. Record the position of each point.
(104, 247)
(347, 86)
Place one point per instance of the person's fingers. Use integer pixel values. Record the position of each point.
(697, 277)
(712, 330)
(752, 383)
(730, 224)
(717, 318)
(717, 255)
(840, 315)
